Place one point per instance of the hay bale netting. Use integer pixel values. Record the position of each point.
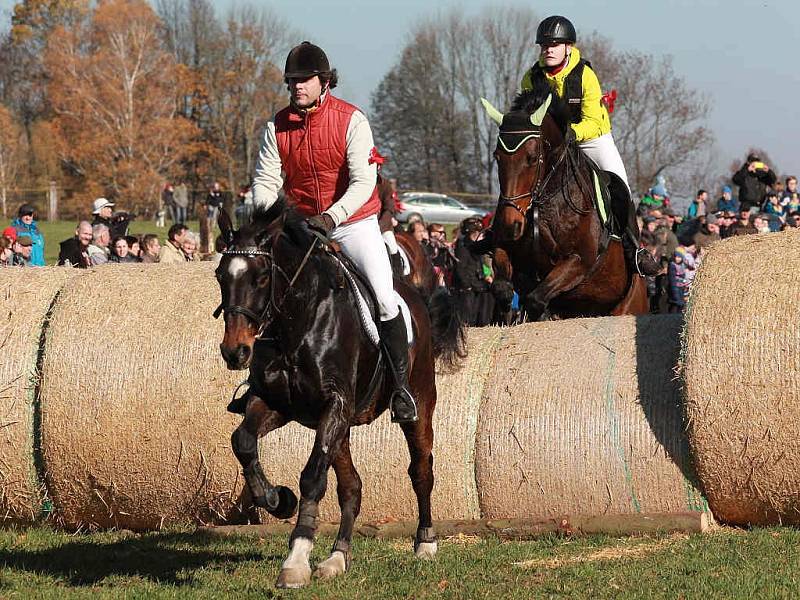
(27, 295)
(583, 416)
(381, 456)
(742, 374)
(135, 432)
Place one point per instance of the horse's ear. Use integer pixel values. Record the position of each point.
(538, 116)
(225, 226)
(494, 114)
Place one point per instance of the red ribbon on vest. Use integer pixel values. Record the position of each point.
(609, 98)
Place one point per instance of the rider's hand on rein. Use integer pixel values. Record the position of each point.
(322, 223)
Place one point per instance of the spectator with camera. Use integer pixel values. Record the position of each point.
(470, 280)
(117, 222)
(74, 252)
(753, 178)
(25, 224)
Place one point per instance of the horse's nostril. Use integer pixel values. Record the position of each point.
(242, 353)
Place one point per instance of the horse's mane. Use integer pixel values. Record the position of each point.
(529, 100)
(293, 222)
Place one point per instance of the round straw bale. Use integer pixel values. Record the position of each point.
(26, 298)
(583, 416)
(742, 374)
(380, 453)
(135, 432)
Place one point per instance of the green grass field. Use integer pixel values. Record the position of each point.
(182, 564)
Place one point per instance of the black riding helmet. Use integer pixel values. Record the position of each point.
(556, 30)
(304, 61)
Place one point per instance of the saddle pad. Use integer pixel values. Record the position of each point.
(406, 261)
(370, 327)
(600, 198)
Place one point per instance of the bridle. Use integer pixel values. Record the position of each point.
(272, 308)
(535, 193)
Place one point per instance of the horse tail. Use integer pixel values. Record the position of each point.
(448, 331)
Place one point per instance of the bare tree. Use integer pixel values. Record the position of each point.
(460, 60)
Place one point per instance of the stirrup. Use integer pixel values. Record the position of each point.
(404, 396)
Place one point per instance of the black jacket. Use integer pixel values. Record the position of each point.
(752, 186)
(469, 269)
(70, 250)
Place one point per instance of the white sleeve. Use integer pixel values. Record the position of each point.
(268, 179)
(363, 175)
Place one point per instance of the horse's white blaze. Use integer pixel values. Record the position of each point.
(426, 550)
(237, 266)
(298, 555)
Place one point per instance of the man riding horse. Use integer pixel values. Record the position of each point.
(572, 78)
(323, 146)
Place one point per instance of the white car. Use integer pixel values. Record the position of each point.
(434, 208)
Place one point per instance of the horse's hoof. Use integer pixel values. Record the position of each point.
(294, 577)
(426, 550)
(287, 503)
(334, 565)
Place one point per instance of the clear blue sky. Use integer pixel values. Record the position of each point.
(743, 54)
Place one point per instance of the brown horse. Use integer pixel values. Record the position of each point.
(292, 316)
(421, 276)
(548, 237)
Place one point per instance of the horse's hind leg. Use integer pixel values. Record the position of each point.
(419, 436)
(332, 428)
(259, 420)
(348, 490)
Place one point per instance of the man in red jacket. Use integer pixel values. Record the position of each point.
(319, 150)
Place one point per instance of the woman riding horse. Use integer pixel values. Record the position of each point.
(573, 80)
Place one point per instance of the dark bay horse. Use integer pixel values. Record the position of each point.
(292, 317)
(548, 237)
(422, 276)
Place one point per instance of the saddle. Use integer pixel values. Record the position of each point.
(611, 199)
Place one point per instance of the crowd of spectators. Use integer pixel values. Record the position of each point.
(680, 241)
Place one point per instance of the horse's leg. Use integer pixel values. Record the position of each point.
(259, 420)
(635, 301)
(331, 430)
(348, 490)
(419, 436)
(564, 276)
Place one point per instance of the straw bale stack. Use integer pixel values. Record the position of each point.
(742, 372)
(26, 296)
(583, 416)
(135, 432)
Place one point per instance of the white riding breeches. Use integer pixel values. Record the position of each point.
(603, 151)
(362, 243)
(390, 241)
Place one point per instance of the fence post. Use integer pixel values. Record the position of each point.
(3, 200)
(52, 196)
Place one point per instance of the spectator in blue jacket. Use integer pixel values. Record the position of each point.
(727, 203)
(699, 208)
(26, 225)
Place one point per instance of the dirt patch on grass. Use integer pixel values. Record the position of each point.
(631, 548)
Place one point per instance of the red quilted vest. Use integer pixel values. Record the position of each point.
(313, 151)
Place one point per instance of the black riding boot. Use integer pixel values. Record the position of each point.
(395, 341)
